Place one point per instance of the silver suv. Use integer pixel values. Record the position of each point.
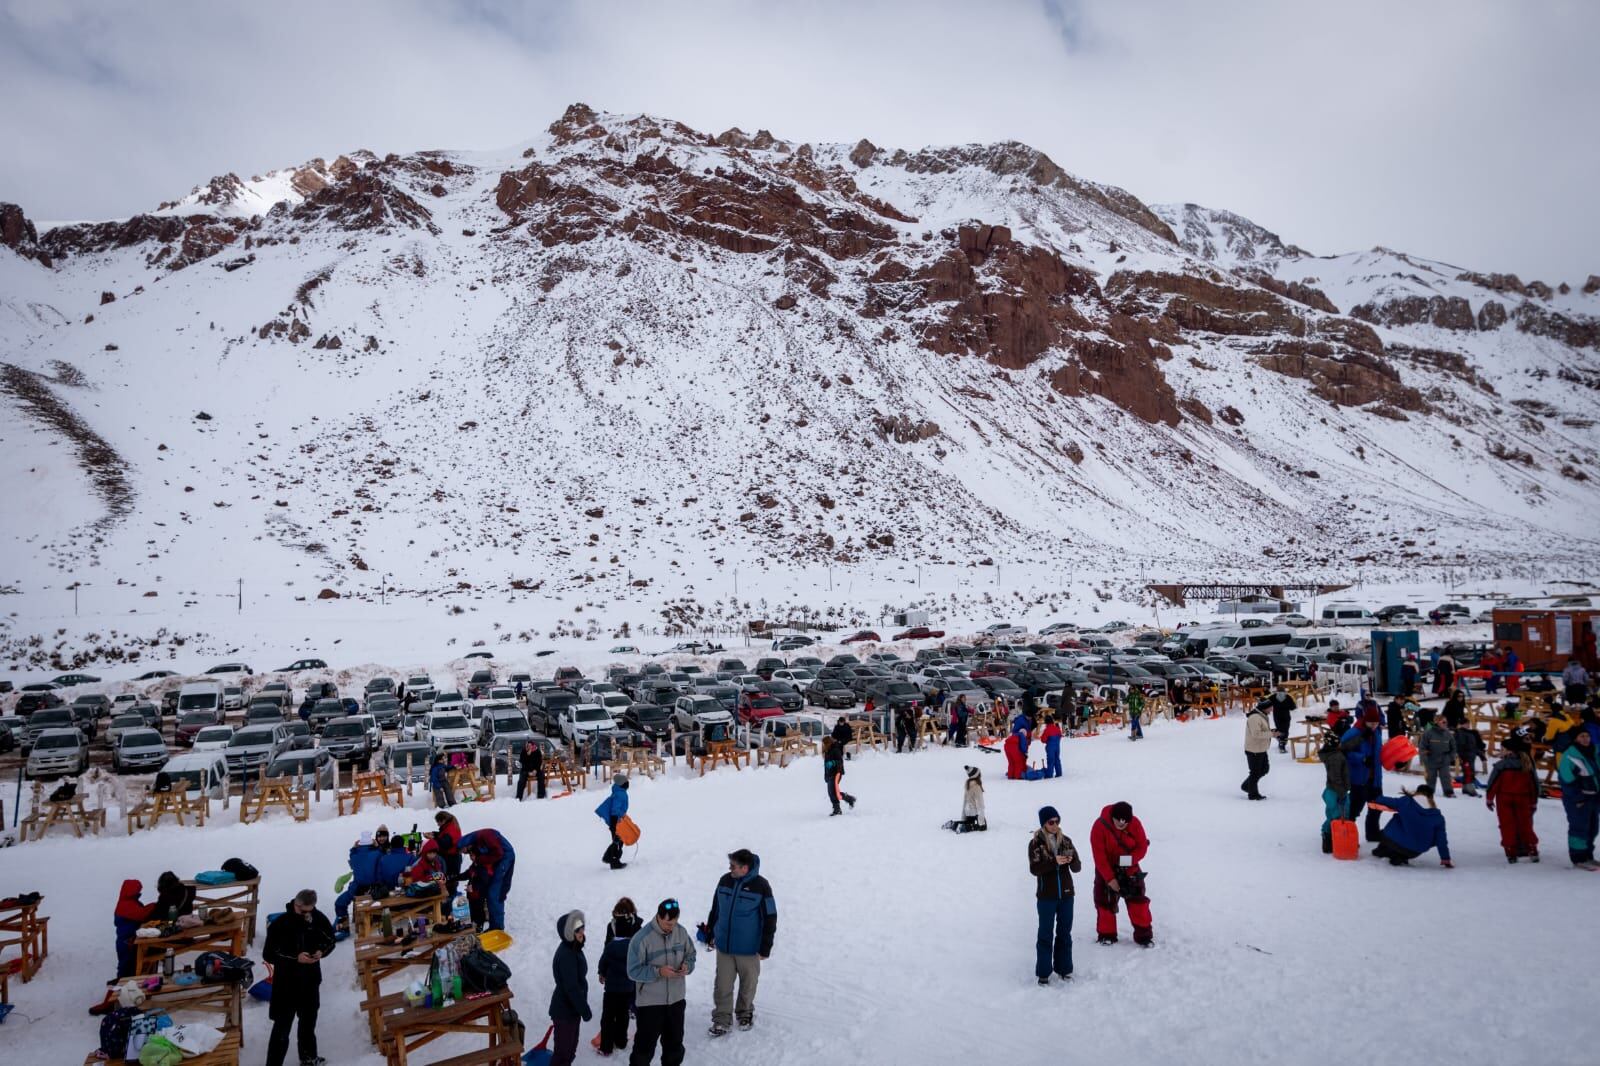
(58, 751)
(254, 746)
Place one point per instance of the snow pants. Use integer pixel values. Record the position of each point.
(1259, 766)
(1053, 949)
(1516, 826)
(1432, 774)
(746, 970)
(495, 891)
(1135, 726)
(1052, 760)
(566, 1042)
(1016, 764)
(658, 1023)
(1333, 806)
(1583, 821)
(1359, 797)
(614, 1020)
(341, 903)
(1105, 913)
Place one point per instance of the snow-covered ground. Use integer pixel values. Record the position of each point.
(898, 942)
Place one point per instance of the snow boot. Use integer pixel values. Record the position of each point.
(1534, 855)
(718, 1030)
(1327, 843)
(1511, 859)
(1044, 982)
(850, 800)
(617, 864)
(836, 811)
(1106, 938)
(746, 1024)
(1144, 936)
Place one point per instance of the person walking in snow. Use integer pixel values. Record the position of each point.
(1362, 744)
(1579, 774)
(1438, 751)
(1416, 827)
(1282, 706)
(1514, 787)
(740, 929)
(297, 941)
(611, 811)
(1053, 860)
(1336, 786)
(842, 734)
(973, 819)
(833, 773)
(959, 713)
(1135, 703)
(617, 1001)
(569, 1003)
(1257, 741)
(1470, 747)
(905, 727)
(1051, 735)
(1119, 845)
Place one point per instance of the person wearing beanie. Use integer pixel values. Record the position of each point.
(610, 811)
(569, 1003)
(1051, 735)
(661, 956)
(1257, 741)
(1119, 845)
(1579, 773)
(739, 928)
(1336, 787)
(833, 757)
(1417, 826)
(1438, 751)
(1052, 859)
(617, 1001)
(973, 819)
(1513, 794)
(1282, 706)
(1362, 744)
(1470, 747)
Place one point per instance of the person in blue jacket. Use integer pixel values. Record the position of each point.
(1415, 828)
(610, 811)
(364, 856)
(489, 879)
(439, 781)
(740, 928)
(393, 859)
(1022, 727)
(1362, 744)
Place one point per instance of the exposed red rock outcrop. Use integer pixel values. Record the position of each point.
(1197, 303)
(1297, 291)
(1492, 315)
(18, 234)
(1592, 286)
(1446, 312)
(182, 241)
(1349, 379)
(1497, 282)
(365, 200)
(1574, 332)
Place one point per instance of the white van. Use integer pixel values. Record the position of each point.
(1242, 641)
(1316, 646)
(1347, 614)
(200, 696)
(199, 773)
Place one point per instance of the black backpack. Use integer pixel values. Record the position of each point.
(241, 870)
(483, 971)
(220, 967)
(114, 1031)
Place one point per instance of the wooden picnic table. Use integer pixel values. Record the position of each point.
(381, 959)
(242, 896)
(228, 936)
(722, 751)
(71, 813)
(224, 1054)
(373, 785)
(406, 1029)
(23, 929)
(174, 803)
(367, 913)
(785, 749)
(634, 761)
(276, 792)
(466, 779)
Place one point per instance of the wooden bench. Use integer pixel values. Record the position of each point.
(224, 1054)
(175, 804)
(241, 896)
(276, 792)
(635, 761)
(71, 813)
(404, 1029)
(367, 914)
(466, 779)
(867, 734)
(722, 752)
(22, 928)
(1310, 740)
(373, 784)
(228, 936)
(785, 749)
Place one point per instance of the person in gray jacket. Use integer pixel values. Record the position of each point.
(660, 957)
(1437, 747)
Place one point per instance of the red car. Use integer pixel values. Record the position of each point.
(919, 633)
(755, 708)
(862, 636)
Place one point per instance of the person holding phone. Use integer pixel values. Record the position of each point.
(1119, 845)
(660, 957)
(297, 941)
(1053, 860)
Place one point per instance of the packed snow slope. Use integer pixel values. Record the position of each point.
(627, 351)
(898, 942)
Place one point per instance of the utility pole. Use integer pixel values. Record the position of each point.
(75, 585)
(241, 595)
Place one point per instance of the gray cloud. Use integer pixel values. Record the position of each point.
(1458, 130)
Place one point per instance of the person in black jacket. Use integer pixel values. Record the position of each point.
(905, 727)
(297, 941)
(569, 1003)
(1053, 860)
(530, 763)
(173, 898)
(617, 1001)
(842, 735)
(1283, 707)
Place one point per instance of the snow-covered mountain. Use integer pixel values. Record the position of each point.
(627, 351)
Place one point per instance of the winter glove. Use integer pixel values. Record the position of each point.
(1489, 804)
(587, 1013)
(1447, 864)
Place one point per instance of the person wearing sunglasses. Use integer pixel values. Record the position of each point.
(1052, 859)
(660, 958)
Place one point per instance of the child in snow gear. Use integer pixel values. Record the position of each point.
(1119, 845)
(1414, 829)
(569, 1003)
(660, 957)
(1016, 766)
(610, 811)
(1282, 706)
(740, 928)
(973, 819)
(439, 781)
(1362, 744)
(1051, 735)
(1469, 749)
(1053, 860)
(1336, 788)
(297, 941)
(613, 971)
(1257, 741)
(1514, 785)
(842, 734)
(833, 772)
(449, 851)
(1135, 704)
(489, 878)
(1580, 795)
(1438, 750)
(129, 915)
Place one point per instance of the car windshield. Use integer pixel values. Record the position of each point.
(60, 740)
(250, 737)
(197, 699)
(344, 729)
(449, 697)
(510, 721)
(651, 713)
(418, 753)
(141, 739)
(383, 703)
(592, 714)
(449, 721)
(900, 688)
(127, 721)
(211, 733)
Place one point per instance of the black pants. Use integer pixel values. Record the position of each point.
(902, 736)
(1281, 723)
(566, 1041)
(613, 854)
(1260, 766)
(1396, 854)
(305, 1011)
(664, 1024)
(614, 1020)
(539, 781)
(961, 731)
(1359, 797)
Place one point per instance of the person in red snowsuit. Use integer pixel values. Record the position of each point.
(1119, 845)
(1016, 766)
(1514, 785)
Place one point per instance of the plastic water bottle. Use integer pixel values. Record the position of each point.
(459, 911)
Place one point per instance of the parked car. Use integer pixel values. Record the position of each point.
(121, 724)
(1002, 631)
(546, 706)
(893, 694)
(503, 723)
(1291, 618)
(568, 676)
(830, 692)
(648, 719)
(68, 680)
(58, 751)
(393, 760)
(97, 706)
(191, 723)
(211, 738)
(254, 746)
(315, 768)
(379, 684)
(231, 668)
(199, 773)
(385, 708)
(139, 750)
(302, 664)
(1058, 627)
(862, 636)
(755, 706)
(30, 702)
(323, 712)
(51, 718)
(583, 720)
(793, 642)
(447, 731)
(690, 713)
(265, 712)
(300, 736)
(349, 740)
(1449, 614)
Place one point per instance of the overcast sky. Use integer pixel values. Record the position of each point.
(1463, 130)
